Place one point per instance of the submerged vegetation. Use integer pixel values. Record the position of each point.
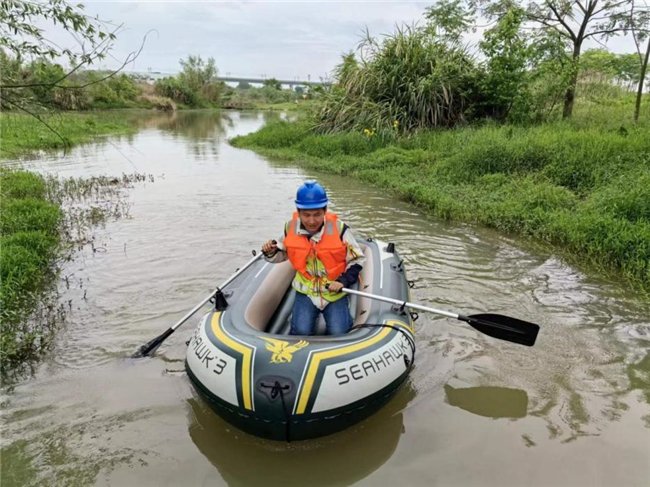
(42, 221)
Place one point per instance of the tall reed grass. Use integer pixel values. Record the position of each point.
(409, 81)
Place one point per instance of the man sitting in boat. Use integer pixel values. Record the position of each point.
(326, 258)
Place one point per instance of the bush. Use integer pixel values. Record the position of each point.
(172, 88)
(408, 82)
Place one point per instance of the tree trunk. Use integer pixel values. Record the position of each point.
(570, 94)
(639, 92)
(569, 97)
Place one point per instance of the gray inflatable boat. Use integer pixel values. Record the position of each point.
(255, 375)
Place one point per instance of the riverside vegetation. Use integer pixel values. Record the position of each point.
(414, 113)
(484, 142)
(584, 189)
(43, 84)
(22, 133)
(42, 221)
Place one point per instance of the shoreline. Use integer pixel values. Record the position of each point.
(584, 191)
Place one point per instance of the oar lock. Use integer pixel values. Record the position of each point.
(401, 309)
(219, 299)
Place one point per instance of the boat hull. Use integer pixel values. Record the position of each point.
(282, 387)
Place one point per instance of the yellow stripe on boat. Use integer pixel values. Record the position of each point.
(247, 358)
(318, 357)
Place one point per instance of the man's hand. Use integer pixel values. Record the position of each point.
(335, 286)
(269, 248)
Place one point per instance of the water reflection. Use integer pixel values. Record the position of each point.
(639, 375)
(583, 391)
(339, 459)
(491, 402)
(201, 130)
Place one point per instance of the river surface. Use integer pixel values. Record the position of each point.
(574, 410)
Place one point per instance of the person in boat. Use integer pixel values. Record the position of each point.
(326, 257)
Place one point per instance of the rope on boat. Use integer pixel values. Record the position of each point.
(287, 415)
(276, 389)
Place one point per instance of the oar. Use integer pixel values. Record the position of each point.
(149, 347)
(494, 325)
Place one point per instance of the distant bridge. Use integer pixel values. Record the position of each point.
(261, 81)
(155, 75)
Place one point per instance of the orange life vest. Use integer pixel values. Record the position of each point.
(331, 250)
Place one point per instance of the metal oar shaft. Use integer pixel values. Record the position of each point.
(401, 303)
(152, 345)
(224, 284)
(491, 324)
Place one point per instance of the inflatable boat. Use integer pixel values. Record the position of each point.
(256, 376)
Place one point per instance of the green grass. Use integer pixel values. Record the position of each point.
(21, 134)
(582, 186)
(35, 234)
(29, 240)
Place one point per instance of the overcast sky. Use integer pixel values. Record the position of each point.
(281, 39)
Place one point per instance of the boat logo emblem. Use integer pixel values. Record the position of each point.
(283, 351)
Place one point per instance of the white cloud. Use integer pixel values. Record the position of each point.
(277, 39)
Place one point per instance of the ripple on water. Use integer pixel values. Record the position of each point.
(89, 409)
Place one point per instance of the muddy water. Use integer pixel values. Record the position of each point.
(572, 410)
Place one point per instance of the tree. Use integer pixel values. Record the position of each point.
(637, 22)
(448, 20)
(90, 39)
(196, 85)
(507, 55)
(20, 36)
(273, 83)
(196, 73)
(576, 21)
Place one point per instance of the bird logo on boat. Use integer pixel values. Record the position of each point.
(283, 351)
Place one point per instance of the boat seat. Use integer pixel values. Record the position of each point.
(271, 306)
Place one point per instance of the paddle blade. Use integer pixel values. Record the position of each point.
(151, 346)
(503, 327)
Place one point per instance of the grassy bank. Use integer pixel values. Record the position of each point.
(581, 186)
(42, 222)
(22, 133)
(29, 241)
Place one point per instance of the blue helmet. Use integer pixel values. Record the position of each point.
(311, 196)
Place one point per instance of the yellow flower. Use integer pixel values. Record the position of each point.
(395, 124)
